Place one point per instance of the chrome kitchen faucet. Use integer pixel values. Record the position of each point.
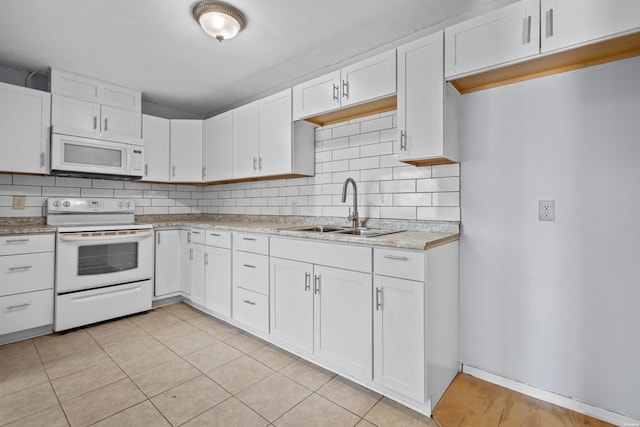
(353, 216)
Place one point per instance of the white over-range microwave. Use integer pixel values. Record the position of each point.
(75, 156)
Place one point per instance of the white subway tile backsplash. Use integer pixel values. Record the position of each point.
(342, 176)
(364, 139)
(446, 199)
(163, 202)
(6, 179)
(345, 130)
(62, 181)
(440, 171)
(155, 194)
(20, 190)
(382, 174)
(106, 183)
(437, 213)
(398, 186)
(346, 153)
(269, 192)
(412, 199)
(408, 172)
(335, 144)
(324, 156)
(380, 149)
(322, 134)
(335, 166)
(364, 163)
(128, 194)
(398, 212)
(434, 185)
(288, 191)
(96, 192)
(27, 211)
(237, 193)
(376, 124)
(306, 190)
(132, 185)
(389, 135)
(43, 181)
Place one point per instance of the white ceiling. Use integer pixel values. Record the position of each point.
(157, 47)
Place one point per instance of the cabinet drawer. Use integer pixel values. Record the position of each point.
(404, 264)
(26, 311)
(197, 236)
(251, 271)
(348, 257)
(251, 308)
(220, 239)
(255, 243)
(26, 243)
(26, 273)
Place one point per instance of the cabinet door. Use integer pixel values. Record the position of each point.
(504, 35)
(186, 150)
(369, 79)
(275, 134)
(343, 323)
(120, 97)
(155, 131)
(246, 143)
(24, 129)
(168, 271)
(291, 305)
(121, 125)
(218, 280)
(72, 116)
(399, 336)
(565, 23)
(316, 96)
(197, 278)
(184, 257)
(421, 98)
(218, 147)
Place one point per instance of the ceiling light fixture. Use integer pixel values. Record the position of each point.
(219, 20)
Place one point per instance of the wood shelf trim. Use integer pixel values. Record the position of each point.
(626, 46)
(361, 110)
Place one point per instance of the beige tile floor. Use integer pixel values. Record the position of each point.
(176, 366)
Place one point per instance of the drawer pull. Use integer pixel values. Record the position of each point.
(16, 241)
(248, 265)
(397, 257)
(249, 302)
(17, 306)
(316, 285)
(195, 232)
(307, 282)
(214, 234)
(251, 239)
(378, 298)
(22, 268)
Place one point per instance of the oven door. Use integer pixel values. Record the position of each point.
(85, 155)
(86, 260)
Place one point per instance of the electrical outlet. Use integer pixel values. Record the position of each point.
(547, 210)
(18, 202)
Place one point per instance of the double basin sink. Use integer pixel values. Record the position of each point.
(362, 232)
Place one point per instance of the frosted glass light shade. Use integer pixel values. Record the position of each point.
(218, 19)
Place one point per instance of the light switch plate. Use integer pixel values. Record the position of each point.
(18, 202)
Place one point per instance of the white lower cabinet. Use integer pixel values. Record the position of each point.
(26, 282)
(197, 255)
(399, 336)
(217, 263)
(320, 310)
(171, 263)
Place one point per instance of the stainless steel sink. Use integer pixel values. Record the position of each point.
(367, 232)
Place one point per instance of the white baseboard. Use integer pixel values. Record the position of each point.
(553, 398)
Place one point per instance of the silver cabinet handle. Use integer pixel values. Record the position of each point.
(378, 299)
(550, 23)
(95, 122)
(345, 89)
(248, 265)
(249, 238)
(528, 24)
(189, 237)
(22, 268)
(316, 284)
(255, 162)
(173, 173)
(42, 159)
(307, 282)
(146, 169)
(260, 162)
(396, 257)
(214, 234)
(196, 232)
(15, 307)
(191, 254)
(403, 141)
(336, 92)
(11, 241)
(105, 124)
(249, 302)
(206, 259)
(158, 239)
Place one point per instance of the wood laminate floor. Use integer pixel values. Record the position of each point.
(471, 402)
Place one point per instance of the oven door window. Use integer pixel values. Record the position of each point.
(107, 258)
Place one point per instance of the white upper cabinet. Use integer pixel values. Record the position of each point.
(246, 144)
(90, 108)
(425, 126)
(566, 23)
(364, 81)
(504, 35)
(218, 147)
(156, 135)
(24, 129)
(268, 143)
(186, 151)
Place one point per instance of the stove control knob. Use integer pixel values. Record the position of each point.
(128, 204)
(120, 204)
(66, 203)
(56, 204)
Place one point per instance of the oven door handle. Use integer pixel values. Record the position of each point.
(100, 236)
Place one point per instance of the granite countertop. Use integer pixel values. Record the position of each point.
(416, 235)
(419, 235)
